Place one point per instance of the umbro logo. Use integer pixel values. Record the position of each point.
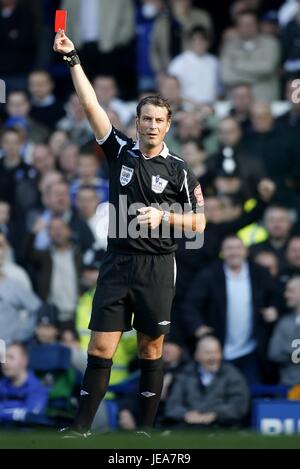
(148, 394)
(83, 393)
(164, 323)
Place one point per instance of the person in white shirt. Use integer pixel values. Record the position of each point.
(196, 69)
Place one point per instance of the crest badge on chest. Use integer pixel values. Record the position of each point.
(126, 175)
(158, 184)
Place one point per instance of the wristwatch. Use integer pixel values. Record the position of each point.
(72, 58)
(165, 217)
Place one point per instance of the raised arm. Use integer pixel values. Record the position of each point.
(96, 115)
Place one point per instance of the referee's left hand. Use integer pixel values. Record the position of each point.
(150, 216)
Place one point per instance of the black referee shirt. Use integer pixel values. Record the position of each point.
(135, 179)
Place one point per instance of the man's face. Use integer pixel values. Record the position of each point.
(40, 85)
(59, 232)
(234, 252)
(15, 364)
(209, 354)
(292, 293)
(170, 89)
(261, 117)
(229, 132)
(241, 98)
(171, 353)
(87, 202)
(247, 27)
(293, 252)
(193, 155)
(87, 166)
(213, 210)
(59, 198)
(43, 160)
(278, 223)
(188, 127)
(105, 89)
(199, 44)
(18, 105)
(11, 144)
(152, 125)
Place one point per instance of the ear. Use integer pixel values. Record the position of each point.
(168, 126)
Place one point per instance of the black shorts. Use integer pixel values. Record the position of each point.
(134, 290)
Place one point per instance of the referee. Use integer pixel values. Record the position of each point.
(137, 277)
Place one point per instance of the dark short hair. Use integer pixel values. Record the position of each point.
(154, 100)
(198, 31)
(21, 346)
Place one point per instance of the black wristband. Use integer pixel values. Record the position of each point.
(72, 58)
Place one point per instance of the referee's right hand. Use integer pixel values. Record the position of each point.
(62, 43)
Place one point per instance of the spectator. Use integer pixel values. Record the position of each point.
(106, 90)
(95, 214)
(17, 43)
(58, 269)
(18, 109)
(57, 141)
(103, 32)
(146, 13)
(10, 269)
(42, 159)
(208, 391)
(18, 307)
(287, 331)
(171, 30)
(278, 223)
(202, 67)
(75, 123)
(57, 202)
(292, 257)
(68, 161)
(278, 150)
(88, 169)
(252, 58)
(22, 397)
(241, 99)
(237, 300)
(233, 160)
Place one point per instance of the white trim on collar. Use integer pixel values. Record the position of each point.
(164, 153)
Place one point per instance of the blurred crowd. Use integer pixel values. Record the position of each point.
(233, 82)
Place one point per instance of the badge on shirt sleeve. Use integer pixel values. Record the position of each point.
(198, 195)
(158, 184)
(126, 175)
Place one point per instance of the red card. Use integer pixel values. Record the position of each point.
(60, 20)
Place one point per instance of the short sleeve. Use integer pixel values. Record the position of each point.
(190, 192)
(113, 142)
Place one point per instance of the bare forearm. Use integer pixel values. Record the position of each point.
(83, 87)
(188, 221)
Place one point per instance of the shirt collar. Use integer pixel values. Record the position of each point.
(164, 153)
(244, 272)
